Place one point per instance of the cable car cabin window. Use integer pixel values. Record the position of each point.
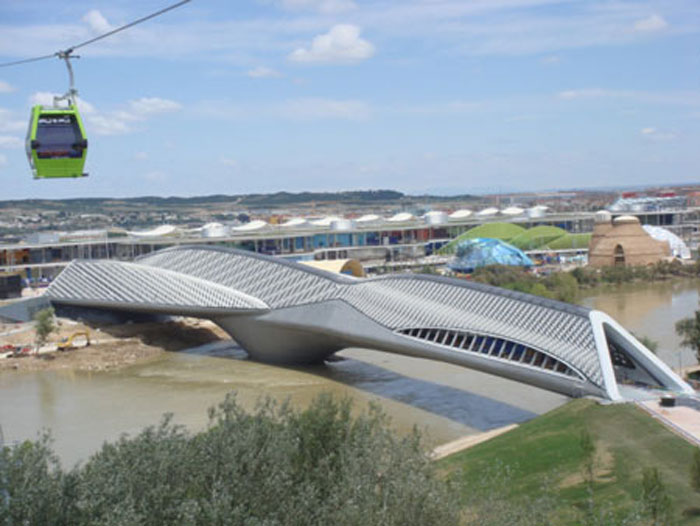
(58, 137)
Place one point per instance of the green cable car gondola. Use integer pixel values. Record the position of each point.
(56, 142)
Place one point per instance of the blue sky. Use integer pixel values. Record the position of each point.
(439, 96)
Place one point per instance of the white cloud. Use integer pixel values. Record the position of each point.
(586, 93)
(657, 135)
(106, 125)
(141, 156)
(9, 124)
(45, 98)
(292, 109)
(227, 161)
(472, 27)
(97, 22)
(156, 176)
(317, 108)
(146, 106)
(650, 24)
(341, 44)
(3, 160)
(551, 60)
(673, 98)
(440, 108)
(262, 72)
(8, 141)
(114, 122)
(5, 87)
(322, 6)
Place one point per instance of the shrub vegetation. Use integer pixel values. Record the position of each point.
(276, 466)
(566, 286)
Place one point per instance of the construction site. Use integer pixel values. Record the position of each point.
(77, 346)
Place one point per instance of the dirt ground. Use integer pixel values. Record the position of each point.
(111, 346)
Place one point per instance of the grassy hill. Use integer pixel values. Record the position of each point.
(502, 231)
(543, 462)
(536, 237)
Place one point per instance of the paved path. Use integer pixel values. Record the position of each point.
(683, 420)
(468, 441)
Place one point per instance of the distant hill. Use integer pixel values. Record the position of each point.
(355, 197)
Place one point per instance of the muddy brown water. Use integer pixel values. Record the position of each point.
(652, 310)
(84, 409)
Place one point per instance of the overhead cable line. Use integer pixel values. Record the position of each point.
(26, 60)
(67, 52)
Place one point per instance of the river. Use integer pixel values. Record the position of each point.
(83, 409)
(652, 310)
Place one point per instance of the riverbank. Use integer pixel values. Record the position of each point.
(569, 286)
(111, 346)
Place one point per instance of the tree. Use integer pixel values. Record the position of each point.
(649, 343)
(44, 324)
(695, 471)
(689, 330)
(588, 448)
(655, 498)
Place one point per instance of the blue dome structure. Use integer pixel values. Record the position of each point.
(480, 252)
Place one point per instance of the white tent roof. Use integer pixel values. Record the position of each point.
(460, 214)
(326, 221)
(252, 226)
(512, 211)
(678, 247)
(401, 217)
(160, 231)
(215, 230)
(435, 217)
(294, 222)
(487, 212)
(368, 218)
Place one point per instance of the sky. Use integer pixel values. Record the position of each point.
(437, 96)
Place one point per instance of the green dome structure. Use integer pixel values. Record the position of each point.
(570, 241)
(502, 231)
(537, 237)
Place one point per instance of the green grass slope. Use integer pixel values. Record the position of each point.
(502, 231)
(549, 449)
(570, 241)
(537, 236)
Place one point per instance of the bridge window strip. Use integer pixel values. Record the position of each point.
(493, 347)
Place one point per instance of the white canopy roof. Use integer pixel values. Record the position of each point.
(326, 221)
(401, 217)
(160, 231)
(435, 217)
(252, 226)
(678, 247)
(487, 212)
(215, 230)
(512, 211)
(368, 218)
(461, 214)
(295, 222)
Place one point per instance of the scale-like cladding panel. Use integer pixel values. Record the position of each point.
(118, 283)
(400, 302)
(277, 283)
(296, 316)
